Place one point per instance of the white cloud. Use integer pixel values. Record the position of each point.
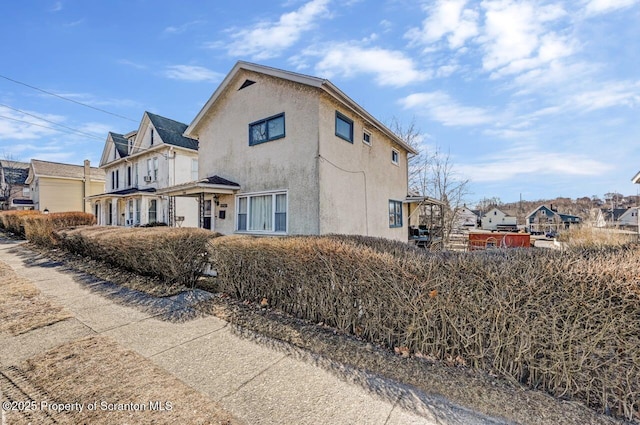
(57, 6)
(609, 95)
(268, 39)
(447, 18)
(439, 106)
(390, 68)
(132, 64)
(527, 160)
(517, 36)
(191, 73)
(179, 29)
(597, 7)
(18, 126)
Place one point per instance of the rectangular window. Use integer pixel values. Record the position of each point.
(395, 156)
(130, 212)
(155, 168)
(129, 179)
(117, 179)
(263, 213)
(113, 180)
(110, 211)
(366, 138)
(137, 212)
(242, 213)
(194, 169)
(153, 211)
(344, 127)
(271, 128)
(151, 137)
(25, 191)
(395, 213)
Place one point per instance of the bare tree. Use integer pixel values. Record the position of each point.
(11, 179)
(413, 137)
(433, 174)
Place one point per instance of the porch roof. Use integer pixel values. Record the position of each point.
(212, 185)
(422, 200)
(122, 193)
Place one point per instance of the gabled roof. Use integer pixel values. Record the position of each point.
(563, 217)
(15, 172)
(171, 132)
(319, 83)
(121, 142)
(59, 170)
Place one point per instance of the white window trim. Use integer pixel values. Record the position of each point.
(397, 156)
(363, 139)
(262, 193)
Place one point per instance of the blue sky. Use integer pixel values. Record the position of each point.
(532, 98)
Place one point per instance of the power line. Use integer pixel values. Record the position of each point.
(67, 99)
(46, 120)
(52, 128)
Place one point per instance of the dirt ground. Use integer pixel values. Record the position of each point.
(468, 388)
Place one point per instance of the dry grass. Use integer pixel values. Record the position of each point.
(593, 237)
(12, 220)
(96, 369)
(22, 306)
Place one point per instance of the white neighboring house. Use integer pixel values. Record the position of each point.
(140, 163)
(494, 219)
(283, 153)
(465, 219)
(629, 219)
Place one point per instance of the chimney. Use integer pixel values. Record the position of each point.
(87, 184)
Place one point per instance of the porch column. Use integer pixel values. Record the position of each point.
(201, 210)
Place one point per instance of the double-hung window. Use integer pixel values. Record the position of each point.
(344, 127)
(153, 211)
(264, 212)
(265, 130)
(395, 213)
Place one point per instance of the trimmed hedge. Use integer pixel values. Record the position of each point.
(565, 322)
(174, 255)
(40, 228)
(12, 220)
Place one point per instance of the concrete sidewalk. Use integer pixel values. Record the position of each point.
(259, 380)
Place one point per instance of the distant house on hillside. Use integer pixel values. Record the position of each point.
(14, 191)
(495, 219)
(139, 164)
(545, 219)
(57, 187)
(282, 153)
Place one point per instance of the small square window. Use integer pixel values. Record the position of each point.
(344, 127)
(366, 138)
(395, 156)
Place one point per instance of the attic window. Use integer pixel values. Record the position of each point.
(246, 83)
(152, 137)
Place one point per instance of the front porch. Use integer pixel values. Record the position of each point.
(208, 192)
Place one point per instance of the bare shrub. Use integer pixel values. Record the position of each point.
(174, 255)
(12, 220)
(40, 228)
(564, 322)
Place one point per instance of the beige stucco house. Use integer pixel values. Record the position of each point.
(139, 164)
(57, 187)
(281, 153)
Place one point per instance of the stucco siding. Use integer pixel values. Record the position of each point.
(287, 163)
(358, 180)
